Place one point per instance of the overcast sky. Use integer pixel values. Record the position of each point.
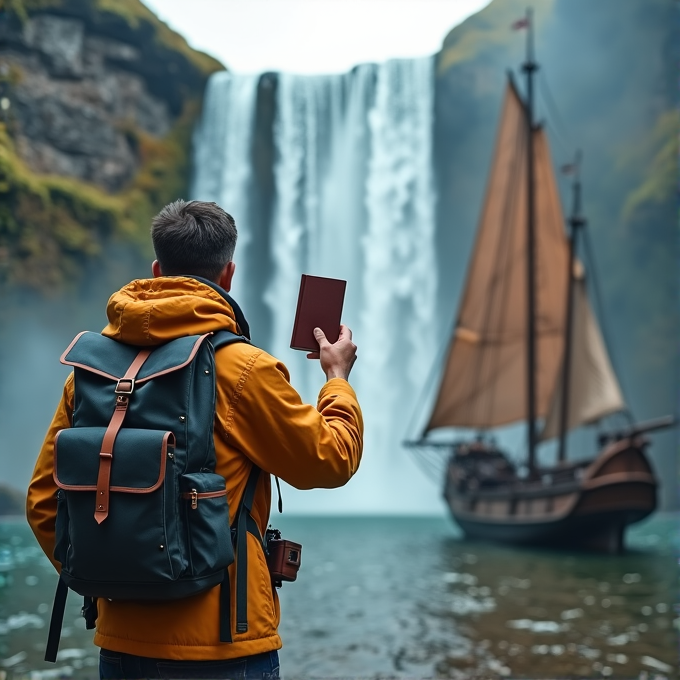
(313, 36)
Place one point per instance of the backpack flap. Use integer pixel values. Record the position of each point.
(138, 466)
(109, 358)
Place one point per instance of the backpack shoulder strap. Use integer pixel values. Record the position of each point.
(243, 524)
(242, 550)
(222, 338)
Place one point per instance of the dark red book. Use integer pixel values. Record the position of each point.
(319, 306)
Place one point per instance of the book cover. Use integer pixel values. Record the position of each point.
(319, 306)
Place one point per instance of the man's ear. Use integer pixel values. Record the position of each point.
(226, 276)
(156, 269)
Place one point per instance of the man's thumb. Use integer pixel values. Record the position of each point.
(320, 336)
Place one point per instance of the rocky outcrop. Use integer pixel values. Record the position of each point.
(12, 501)
(75, 98)
(97, 101)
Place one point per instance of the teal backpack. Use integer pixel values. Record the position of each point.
(141, 513)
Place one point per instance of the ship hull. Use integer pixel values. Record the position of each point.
(590, 510)
(602, 532)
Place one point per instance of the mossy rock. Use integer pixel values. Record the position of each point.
(52, 225)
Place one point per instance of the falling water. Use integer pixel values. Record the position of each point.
(226, 133)
(352, 197)
(398, 315)
(321, 139)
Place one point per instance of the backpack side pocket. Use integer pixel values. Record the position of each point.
(206, 513)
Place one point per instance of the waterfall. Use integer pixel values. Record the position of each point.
(225, 133)
(320, 136)
(352, 196)
(398, 317)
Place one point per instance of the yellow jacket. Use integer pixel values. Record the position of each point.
(259, 419)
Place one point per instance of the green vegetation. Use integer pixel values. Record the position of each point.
(660, 152)
(15, 7)
(650, 230)
(49, 225)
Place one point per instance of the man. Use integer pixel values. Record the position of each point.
(259, 420)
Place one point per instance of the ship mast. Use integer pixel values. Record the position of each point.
(575, 222)
(529, 67)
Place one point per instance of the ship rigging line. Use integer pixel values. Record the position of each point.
(434, 370)
(560, 130)
(429, 462)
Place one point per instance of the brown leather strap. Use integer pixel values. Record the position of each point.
(124, 389)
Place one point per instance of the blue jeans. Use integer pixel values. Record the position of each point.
(119, 666)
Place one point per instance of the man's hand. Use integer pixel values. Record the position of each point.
(336, 359)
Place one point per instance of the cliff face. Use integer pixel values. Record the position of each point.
(77, 94)
(97, 102)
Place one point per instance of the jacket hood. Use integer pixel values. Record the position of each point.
(154, 311)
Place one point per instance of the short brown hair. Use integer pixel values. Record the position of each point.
(193, 237)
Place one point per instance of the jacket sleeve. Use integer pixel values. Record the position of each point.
(41, 500)
(307, 447)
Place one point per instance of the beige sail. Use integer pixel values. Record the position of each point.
(594, 391)
(484, 383)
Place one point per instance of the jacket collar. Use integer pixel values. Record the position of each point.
(238, 313)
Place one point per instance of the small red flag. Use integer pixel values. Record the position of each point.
(520, 23)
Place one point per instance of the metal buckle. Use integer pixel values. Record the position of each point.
(122, 390)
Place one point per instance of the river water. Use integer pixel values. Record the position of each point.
(409, 598)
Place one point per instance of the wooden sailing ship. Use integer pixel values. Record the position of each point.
(527, 348)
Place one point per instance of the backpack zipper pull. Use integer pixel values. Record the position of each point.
(194, 499)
